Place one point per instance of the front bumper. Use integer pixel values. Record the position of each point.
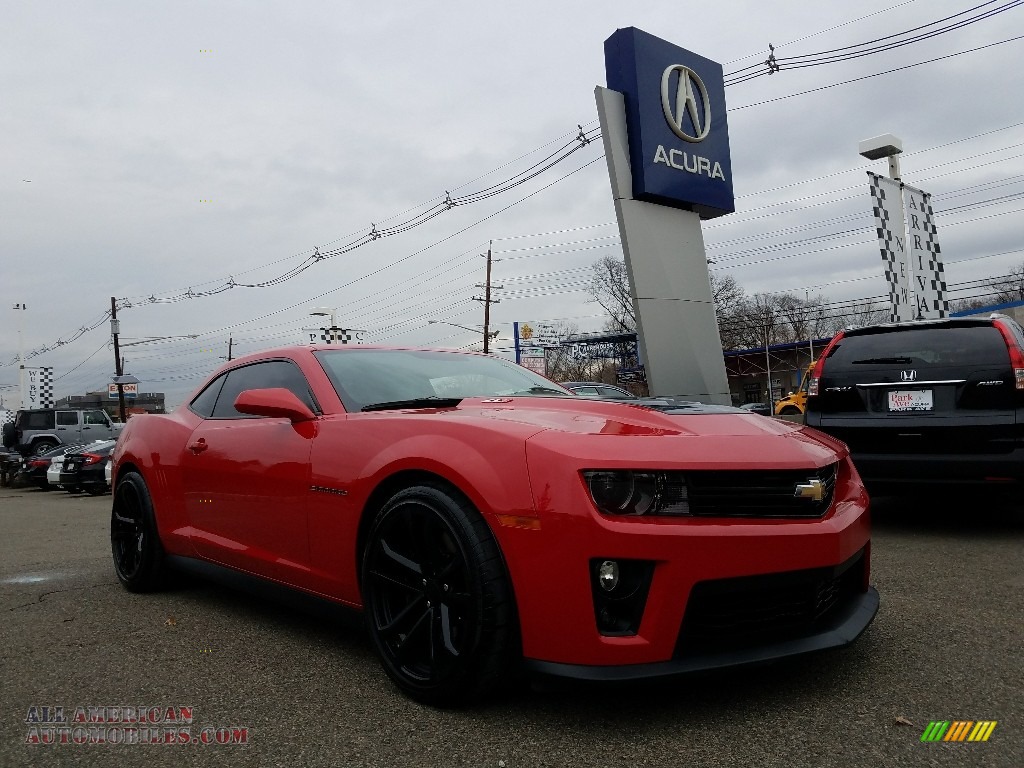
(551, 568)
(845, 627)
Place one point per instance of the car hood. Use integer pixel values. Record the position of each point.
(659, 431)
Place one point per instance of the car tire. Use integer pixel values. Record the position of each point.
(436, 595)
(789, 411)
(135, 544)
(41, 446)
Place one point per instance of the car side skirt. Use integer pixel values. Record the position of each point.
(258, 586)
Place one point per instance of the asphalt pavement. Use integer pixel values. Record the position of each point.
(204, 664)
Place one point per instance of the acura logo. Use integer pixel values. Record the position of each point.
(908, 375)
(688, 88)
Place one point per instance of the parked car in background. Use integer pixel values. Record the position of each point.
(38, 430)
(936, 401)
(597, 389)
(760, 408)
(53, 471)
(33, 468)
(83, 469)
(484, 519)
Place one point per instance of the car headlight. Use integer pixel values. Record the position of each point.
(625, 492)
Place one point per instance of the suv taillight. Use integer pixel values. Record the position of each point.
(815, 378)
(1016, 356)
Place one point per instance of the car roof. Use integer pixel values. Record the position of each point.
(948, 322)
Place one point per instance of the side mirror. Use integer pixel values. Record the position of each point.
(276, 403)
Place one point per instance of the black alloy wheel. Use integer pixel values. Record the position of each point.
(138, 555)
(438, 604)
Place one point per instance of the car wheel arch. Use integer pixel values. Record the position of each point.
(399, 481)
(125, 467)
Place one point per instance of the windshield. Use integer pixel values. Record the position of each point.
(415, 378)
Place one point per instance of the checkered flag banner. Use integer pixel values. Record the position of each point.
(930, 294)
(333, 335)
(887, 205)
(37, 387)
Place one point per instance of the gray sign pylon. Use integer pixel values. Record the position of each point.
(677, 331)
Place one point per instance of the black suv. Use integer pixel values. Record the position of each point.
(929, 401)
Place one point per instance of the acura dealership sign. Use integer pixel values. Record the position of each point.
(676, 122)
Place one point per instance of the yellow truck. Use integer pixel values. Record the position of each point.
(796, 402)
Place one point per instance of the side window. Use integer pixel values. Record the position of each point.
(205, 401)
(586, 391)
(271, 374)
(95, 418)
(37, 420)
(67, 418)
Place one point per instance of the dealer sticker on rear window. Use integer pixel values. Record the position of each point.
(910, 400)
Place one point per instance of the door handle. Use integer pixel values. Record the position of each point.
(198, 446)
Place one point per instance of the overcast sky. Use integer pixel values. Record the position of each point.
(150, 150)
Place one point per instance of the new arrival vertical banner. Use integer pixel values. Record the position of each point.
(930, 296)
(887, 204)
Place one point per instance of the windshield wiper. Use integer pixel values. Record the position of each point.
(885, 361)
(419, 402)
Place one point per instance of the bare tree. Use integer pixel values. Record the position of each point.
(563, 362)
(967, 305)
(866, 313)
(1008, 288)
(609, 285)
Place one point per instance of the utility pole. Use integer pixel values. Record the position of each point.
(487, 300)
(230, 341)
(115, 329)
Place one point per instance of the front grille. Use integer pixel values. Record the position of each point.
(757, 493)
(728, 614)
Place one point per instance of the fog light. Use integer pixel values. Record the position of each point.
(608, 575)
(619, 588)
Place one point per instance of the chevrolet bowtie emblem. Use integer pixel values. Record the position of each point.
(812, 489)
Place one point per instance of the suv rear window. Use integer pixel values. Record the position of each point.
(35, 420)
(970, 346)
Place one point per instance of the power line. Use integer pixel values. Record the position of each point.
(879, 45)
(877, 74)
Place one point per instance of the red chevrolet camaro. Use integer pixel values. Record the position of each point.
(482, 517)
